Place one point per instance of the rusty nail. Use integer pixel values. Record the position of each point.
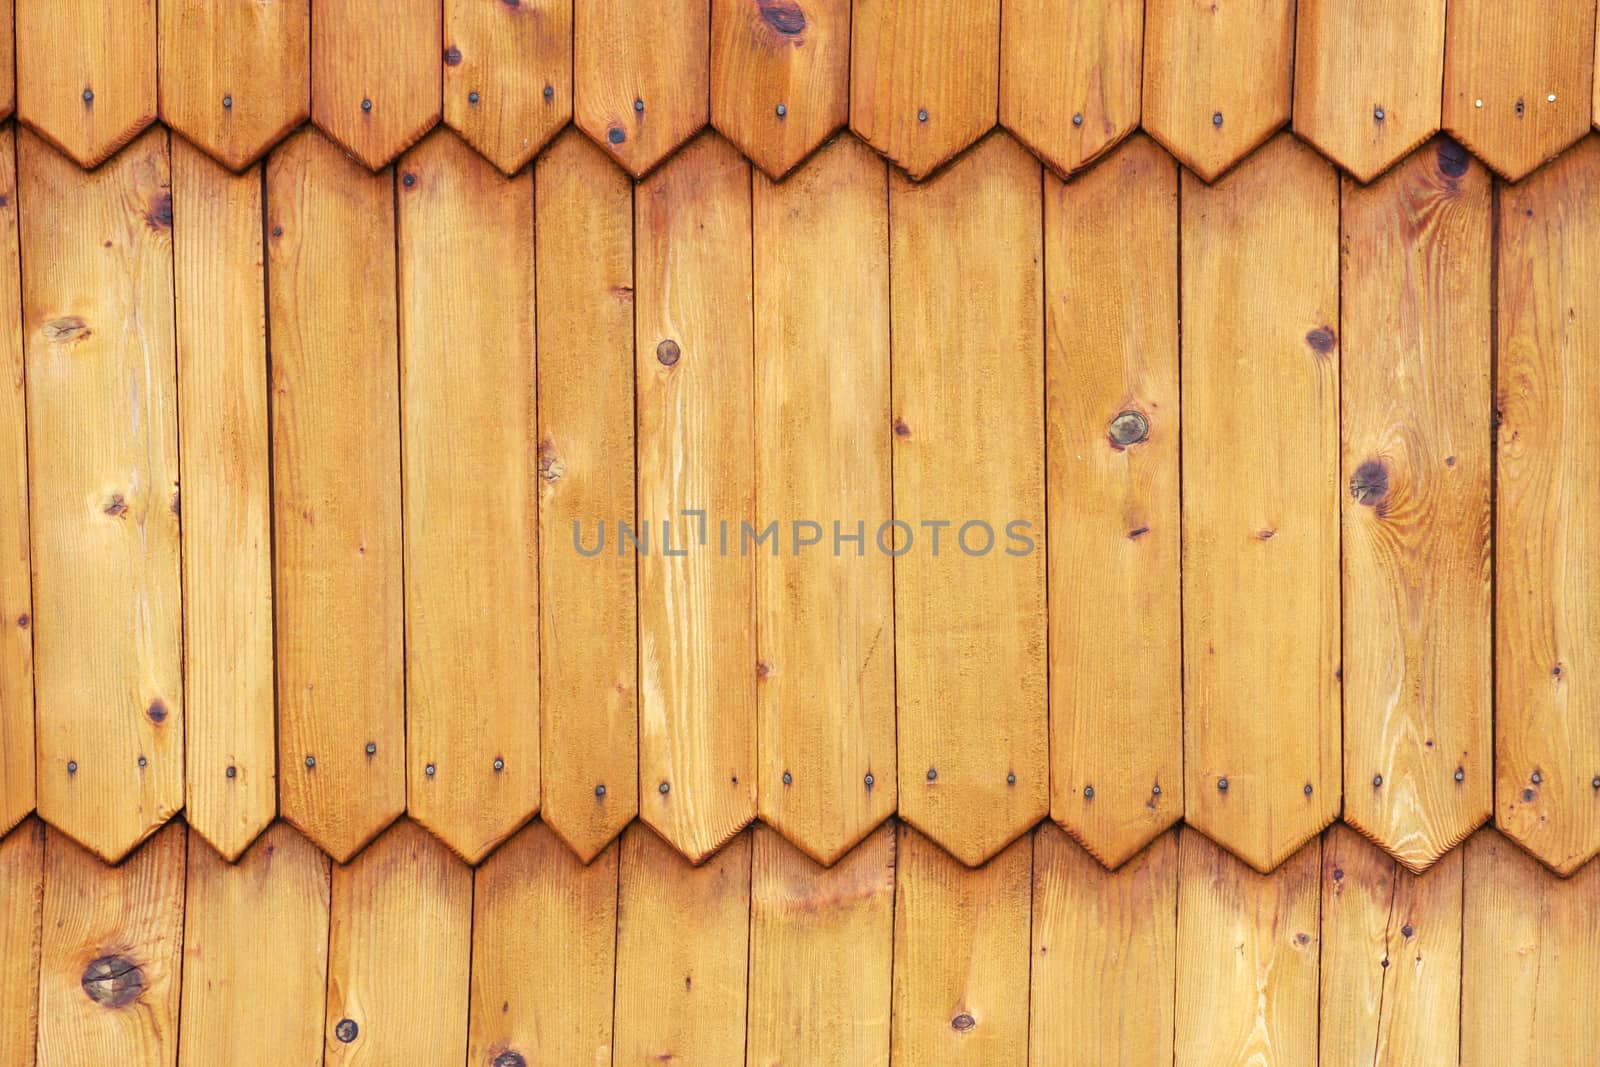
(665, 788)
(1216, 118)
(1222, 784)
(88, 96)
(227, 102)
(871, 781)
(346, 1030)
(311, 761)
(72, 766)
(932, 774)
(472, 97)
(232, 772)
(499, 764)
(600, 790)
(1377, 780)
(1128, 428)
(638, 105)
(366, 105)
(372, 749)
(1461, 775)
(782, 109)
(922, 114)
(667, 352)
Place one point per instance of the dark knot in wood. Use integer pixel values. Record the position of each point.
(113, 981)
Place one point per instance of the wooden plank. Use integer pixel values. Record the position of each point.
(533, 900)
(1070, 76)
(1547, 678)
(508, 75)
(821, 953)
(588, 622)
(682, 953)
(825, 618)
(923, 83)
(336, 494)
(255, 953)
(1261, 550)
(1528, 959)
(235, 74)
(1517, 82)
(969, 449)
(375, 74)
(8, 59)
(471, 509)
(86, 73)
(404, 900)
(1216, 78)
(641, 76)
(961, 956)
(103, 449)
(1104, 955)
(1366, 79)
(110, 956)
(1247, 957)
(1391, 957)
(16, 569)
(1416, 307)
(21, 915)
(780, 75)
(695, 389)
(1112, 432)
(220, 278)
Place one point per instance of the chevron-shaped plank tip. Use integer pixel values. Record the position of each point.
(641, 76)
(86, 74)
(923, 81)
(508, 75)
(1070, 77)
(1217, 78)
(780, 73)
(375, 75)
(1518, 84)
(1547, 746)
(235, 74)
(1367, 78)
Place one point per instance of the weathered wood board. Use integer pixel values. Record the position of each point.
(508, 75)
(375, 74)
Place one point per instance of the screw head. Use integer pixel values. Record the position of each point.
(1077, 119)
(1216, 118)
(499, 764)
(227, 102)
(668, 352)
(782, 110)
(346, 1030)
(1222, 785)
(311, 761)
(372, 749)
(1128, 429)
(88, 96)
(664, 788)
(472, 97)
(366, 105)
(600, 790)
(232, 772)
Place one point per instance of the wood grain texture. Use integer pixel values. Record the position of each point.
(235, 74)
(16, 563)
(1247, 958)
(780, 74)
(383, 53)
(1260, 510)
(405, 898)
(1391, 957)
(1366, 79)
(1517, 82)
(1071, 76)
(1104, 955)
(111, 954)
(471, 506)
(1216, 77)
(21, 915)
(8, 58)
(508, 75)
(682, 953)
(1528, 959)
(1112, 434)
(1547, 632)
(695, 418)
(821, 952)
(336, 494)
(103, 475)
(86, 73)
(825, 613)
(960, 956)
(588, 659)
(219, 274)
(923, 83)
(969, 449)
(533, 900)
(255, 953)
(641, 71)
(1415, 277)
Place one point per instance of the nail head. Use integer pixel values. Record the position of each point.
(499, 764)
(664, 788)
(88, 96)
(600, 790)
(932, 774)
(1216, 118)
(311, 761)
(1461, 775)
(232, 772)
(1377, 780)
(1088, 792)
(638, 106)
(870, 780)
(1222, 784)
(227, 102)
(472, 97)
(429, 770)
(372, 749)
(788, 779)
(782, 110)
(72, 766)
(366, 105)
(922, 114)
(1077, 120)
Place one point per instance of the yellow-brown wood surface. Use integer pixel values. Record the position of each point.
(471, 518)
(21, 910)
(1112, 425)
(508, 75)
(969, 500)
(1261, 527)
(375, 74)
(103, 485)
(86, 73)
(16, 571)
(231, 782)
(825, 598)
(336, 494)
